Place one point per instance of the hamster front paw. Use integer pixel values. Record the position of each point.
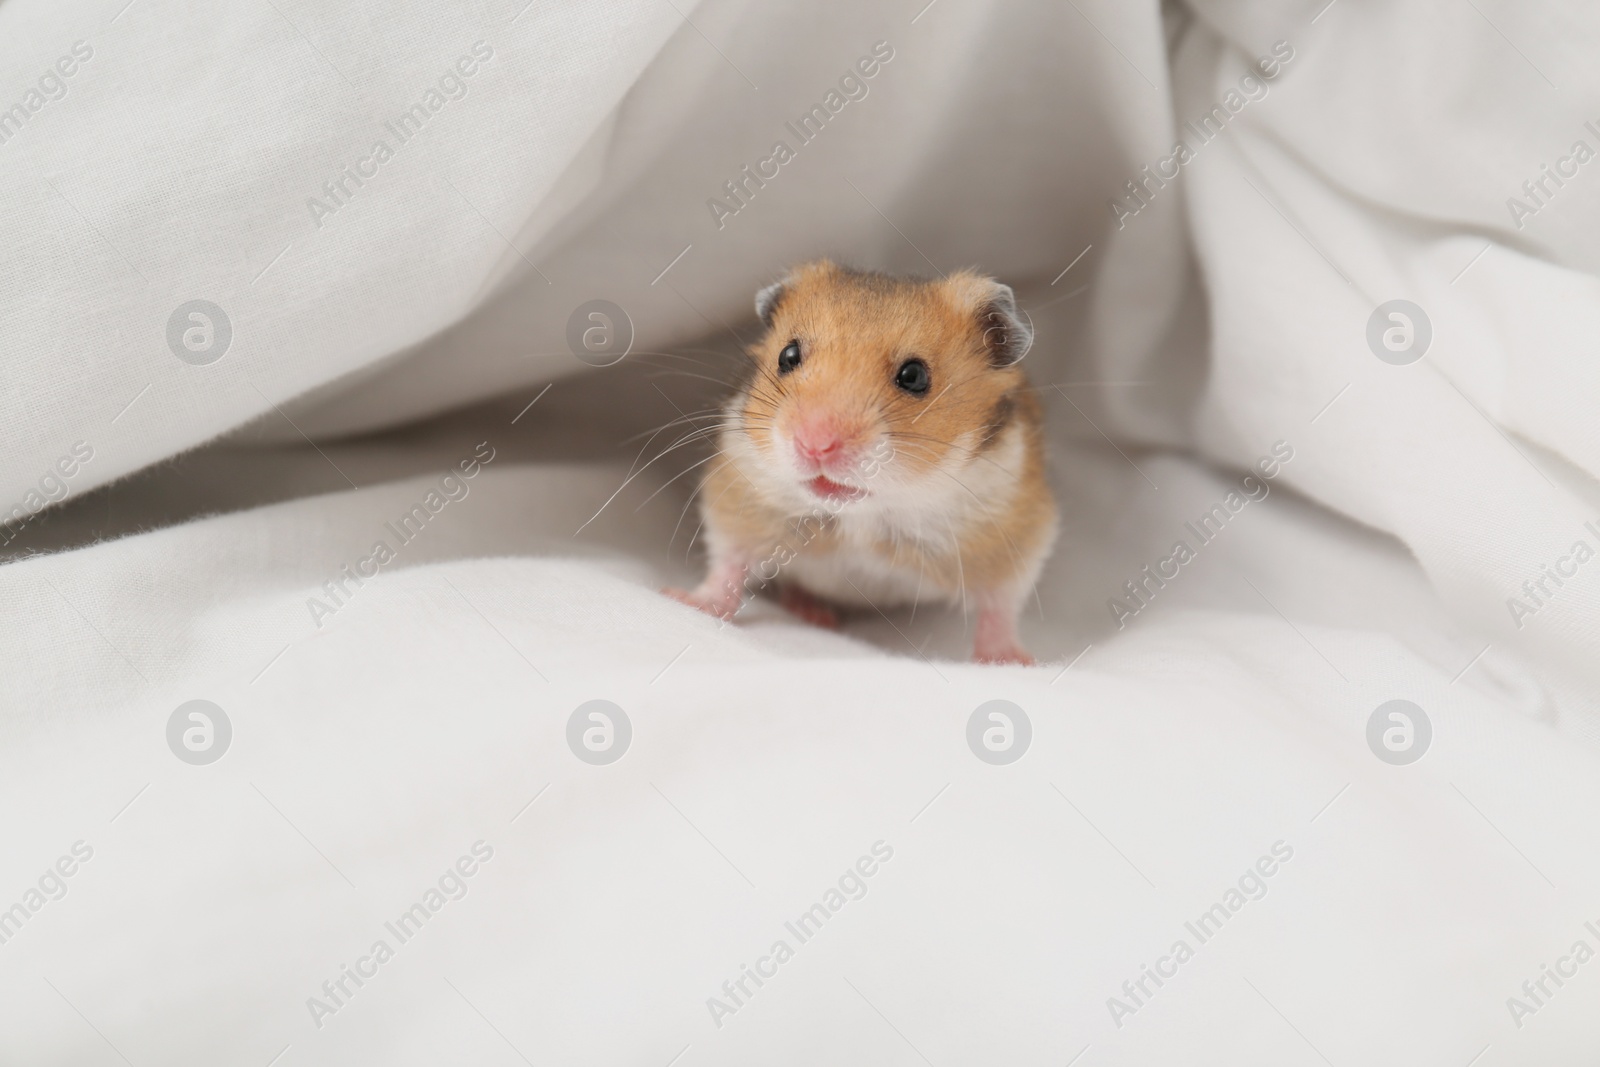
(997, 640)
(996, 655)
(717, 604)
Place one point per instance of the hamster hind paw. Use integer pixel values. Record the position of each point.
(807, 607)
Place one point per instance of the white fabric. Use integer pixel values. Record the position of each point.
(377, 740)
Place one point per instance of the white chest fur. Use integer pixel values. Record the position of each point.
(878, 548)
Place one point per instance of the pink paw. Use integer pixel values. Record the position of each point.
(718, 607)
(806, 607)
(1003, 654)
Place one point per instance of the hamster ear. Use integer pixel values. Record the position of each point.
(1007, 331)
(767, 302)
(768, 299)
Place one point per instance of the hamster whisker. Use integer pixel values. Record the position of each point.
(986, 514)
(961, 570)
(684, 354)
(695, 436)
(708, 422)
(702, 522)
(668, 425)
(984, 511)
(674, 478)
(627, 482)
(970, 453)
(701, 377)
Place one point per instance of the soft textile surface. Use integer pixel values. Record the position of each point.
(384, 333)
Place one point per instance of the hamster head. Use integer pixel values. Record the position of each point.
(871, 387)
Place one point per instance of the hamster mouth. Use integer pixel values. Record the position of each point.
(828, 489)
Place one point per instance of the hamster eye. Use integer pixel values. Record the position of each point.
(789, 358)
(913, 377)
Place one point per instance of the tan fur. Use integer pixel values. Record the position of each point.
(961, 500)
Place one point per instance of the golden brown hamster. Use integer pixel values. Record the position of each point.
(887, 450)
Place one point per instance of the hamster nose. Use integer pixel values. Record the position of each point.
(818, 442)
(818, 449)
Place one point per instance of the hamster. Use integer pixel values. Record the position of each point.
(887, 451)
